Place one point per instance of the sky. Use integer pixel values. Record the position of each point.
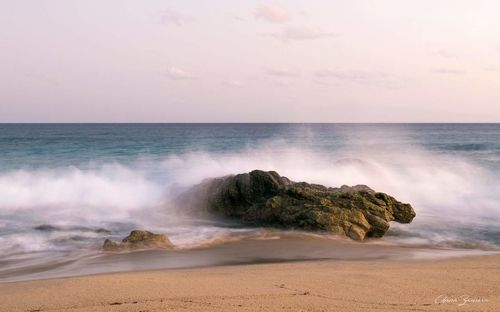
(249, 61)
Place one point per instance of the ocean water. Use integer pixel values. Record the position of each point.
(64, 188)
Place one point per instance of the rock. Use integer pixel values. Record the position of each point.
(138, 240)
(265, 198)
(109, 245)
(46, 228)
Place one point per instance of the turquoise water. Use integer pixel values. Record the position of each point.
(54, 145)
(64, 188)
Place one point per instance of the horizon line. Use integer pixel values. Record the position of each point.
(246, 122)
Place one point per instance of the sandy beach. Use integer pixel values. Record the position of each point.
(459, 284)
(249, 156)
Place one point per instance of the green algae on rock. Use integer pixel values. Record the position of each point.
(138, 239)
(267, 199)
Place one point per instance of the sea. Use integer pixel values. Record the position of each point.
(65, 188)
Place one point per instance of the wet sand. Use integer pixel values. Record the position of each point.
(266, 247)
(456, 284)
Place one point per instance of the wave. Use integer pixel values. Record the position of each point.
(448, 192)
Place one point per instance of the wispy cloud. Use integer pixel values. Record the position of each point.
(491, 68)
(272, 14)
(444, 53)
(359, 77)
(301, 33)
(448, 71)
(172, 17)
(233, 83)
(179, 74)
(283, 83)
(346, 75)
(287, 73)
(238, 18)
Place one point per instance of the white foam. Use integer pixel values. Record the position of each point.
(67, 195)
(450, 188)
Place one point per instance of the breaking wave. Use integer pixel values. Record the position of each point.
(449, 193)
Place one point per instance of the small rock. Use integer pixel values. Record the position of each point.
(46, 228)
(139, 239)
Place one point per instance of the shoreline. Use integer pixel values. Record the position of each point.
(314, 285)
(247, 250)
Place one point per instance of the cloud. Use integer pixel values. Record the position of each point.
(171, 17)
(448, 71)
(179, 74)
(272, 14)
(301, 33)
(491, 68)
(346, 75)
(360, 77)
(238, 18)
(444, 53)
(282, 77)
(282, 73)
(233, 83)
(283, 83)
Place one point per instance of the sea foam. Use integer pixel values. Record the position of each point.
(448, 192)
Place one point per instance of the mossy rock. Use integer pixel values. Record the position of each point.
(139, 239)
(264, 198)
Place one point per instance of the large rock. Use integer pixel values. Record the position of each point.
(266, 198)
(138, 240)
